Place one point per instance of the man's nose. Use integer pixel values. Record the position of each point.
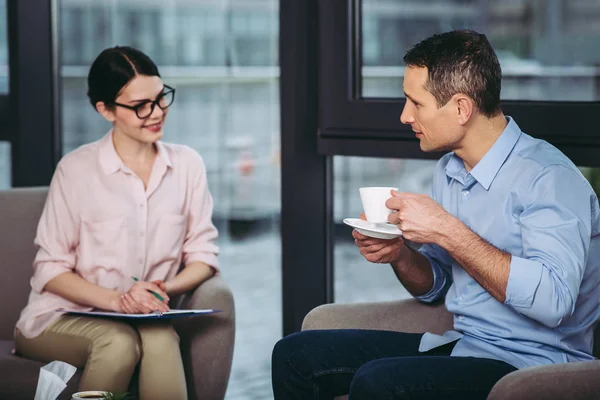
(406, 117)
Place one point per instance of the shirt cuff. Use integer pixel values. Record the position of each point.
(206, 258)
(523, 281)
(45, 272)
(439, 282)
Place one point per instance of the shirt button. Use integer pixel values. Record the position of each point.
(140, 260)
(465, 193)
(461, 318)
(141, 234)
(459, 298)
(141, 205)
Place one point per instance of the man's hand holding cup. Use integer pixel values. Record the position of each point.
(375, 211)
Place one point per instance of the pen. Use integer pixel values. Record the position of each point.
(158, 296)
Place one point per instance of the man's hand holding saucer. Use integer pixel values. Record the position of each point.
(381, 251)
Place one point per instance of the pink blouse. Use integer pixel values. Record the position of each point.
(100, 223)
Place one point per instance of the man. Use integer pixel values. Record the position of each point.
(509, 238)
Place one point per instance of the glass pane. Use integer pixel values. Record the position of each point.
(548, 50)
(356, 279)
(222, 59)
(3, 48)
(593, 176)
(5, 165)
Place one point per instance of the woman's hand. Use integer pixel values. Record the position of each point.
(138, 300)
(161, 285)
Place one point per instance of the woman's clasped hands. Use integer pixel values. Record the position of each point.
(139, 299)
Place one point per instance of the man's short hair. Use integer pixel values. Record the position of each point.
(461, 61)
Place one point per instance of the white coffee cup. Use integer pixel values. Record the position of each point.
(88, 394)
(373, 202)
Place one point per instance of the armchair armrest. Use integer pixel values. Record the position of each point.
(408, 315)
(207, 341)
(570, 381)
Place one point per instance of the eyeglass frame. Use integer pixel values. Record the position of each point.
(152, 102)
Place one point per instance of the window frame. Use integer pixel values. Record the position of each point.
(353, 125)
(33, 69)
(5, 133)
(306, 176)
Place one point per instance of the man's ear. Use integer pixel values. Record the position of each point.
(108, 114)
(464, 108)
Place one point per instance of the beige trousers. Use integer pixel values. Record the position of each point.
(109, 351)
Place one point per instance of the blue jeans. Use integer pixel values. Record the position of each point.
(369, 364)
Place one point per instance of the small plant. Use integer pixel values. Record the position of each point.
(116, 396)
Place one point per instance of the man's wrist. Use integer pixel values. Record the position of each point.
(404, 259)
(452, 233)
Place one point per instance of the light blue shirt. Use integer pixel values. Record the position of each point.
(526, 198)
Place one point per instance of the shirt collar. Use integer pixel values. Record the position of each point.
(109, 159)
(111, 162)
(488, 167)
(163, 154)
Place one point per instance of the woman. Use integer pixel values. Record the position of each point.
(127, 206)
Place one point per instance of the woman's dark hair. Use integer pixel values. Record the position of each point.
(113, 69)
(461, 61)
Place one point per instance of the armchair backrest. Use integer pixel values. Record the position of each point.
(20, 211)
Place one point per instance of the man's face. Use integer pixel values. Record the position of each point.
(435, 127)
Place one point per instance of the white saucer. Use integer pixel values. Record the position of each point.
(375, 230)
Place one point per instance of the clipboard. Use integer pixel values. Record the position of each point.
(155, 315)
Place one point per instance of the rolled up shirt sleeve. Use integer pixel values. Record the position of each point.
(200, 241)
(442, 276)
(57, 233)
(544, 281)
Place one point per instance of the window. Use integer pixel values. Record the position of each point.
(357, 280)
(5, 156)
(355, 112)
(550, 65)
(3, 48)
(223, 61)
(545, 92)
(548, 50)
(5, 169)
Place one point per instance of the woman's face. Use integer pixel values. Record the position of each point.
(141, 90)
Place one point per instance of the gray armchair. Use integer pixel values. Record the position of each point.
(206, 342)
(573, 381)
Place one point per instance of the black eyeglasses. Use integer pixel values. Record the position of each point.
(146, 108)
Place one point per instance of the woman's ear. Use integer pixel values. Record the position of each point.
(465, 108)
(108, 114)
